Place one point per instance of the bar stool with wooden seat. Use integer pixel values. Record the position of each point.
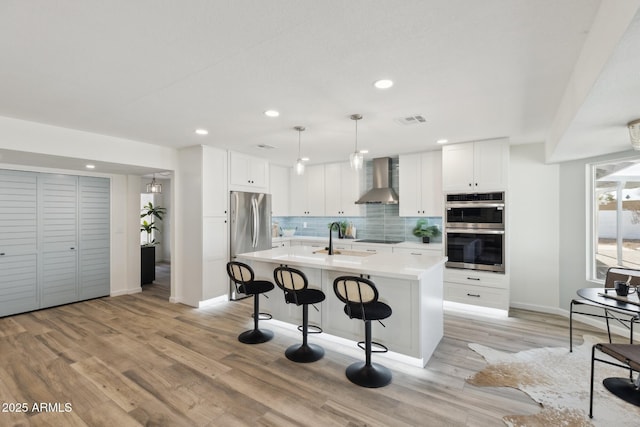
(360, 296)
(296, 290)
(243, 277)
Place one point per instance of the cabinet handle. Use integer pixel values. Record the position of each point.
(2, 253)
(72, 248)
(473, 295)
(473, 278)
(476, 184)
(416, 253)
(371, 250)
(469, 184)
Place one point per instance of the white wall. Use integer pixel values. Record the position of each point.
(533, 229)
(39, 138)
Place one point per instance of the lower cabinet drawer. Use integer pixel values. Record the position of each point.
(477, 295)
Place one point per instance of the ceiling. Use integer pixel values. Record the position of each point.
(155, 71)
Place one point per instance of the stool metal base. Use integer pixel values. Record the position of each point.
(372, 376)
(304, 353)
(624, 389)
(255, 336)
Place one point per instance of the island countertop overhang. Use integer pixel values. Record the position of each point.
(393, 265)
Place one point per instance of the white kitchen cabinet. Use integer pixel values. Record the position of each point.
(420, 186)
(215, 195)
(475, 166)
(248, 173)
(342, 189)
(307, 192)
(279, 177)
(477, 288)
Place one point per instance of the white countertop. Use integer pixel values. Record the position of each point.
(393, 265)
(411, 245)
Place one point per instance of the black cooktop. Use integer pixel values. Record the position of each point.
(388, 242)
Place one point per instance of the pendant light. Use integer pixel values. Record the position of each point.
(299, 163)
(356, 159)
(153, 186)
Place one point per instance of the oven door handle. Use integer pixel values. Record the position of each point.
(473, 231)
(475, 205)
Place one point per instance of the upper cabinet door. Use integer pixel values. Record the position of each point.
(421, 184)
(342, 189)
(279, 177)
(307, 192)
(215, 195)
(409, 185)
(457, 167)
(431, 182)
(491, 164)
(248, 173)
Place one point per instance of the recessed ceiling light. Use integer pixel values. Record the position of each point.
(90, 166)
(383, 84)
(305, 159)
(442, 141)
(202, 132)
(364, 151)
(272, 113)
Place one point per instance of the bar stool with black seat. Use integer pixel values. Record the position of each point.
(243, 277)
(296, 290)
(360, 296)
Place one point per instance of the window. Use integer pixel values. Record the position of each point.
(616, 216)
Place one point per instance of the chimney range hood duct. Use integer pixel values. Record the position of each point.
(381, 193)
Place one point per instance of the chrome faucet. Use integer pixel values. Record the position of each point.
(340, 235)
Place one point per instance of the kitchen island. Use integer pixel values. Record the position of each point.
(410, 284)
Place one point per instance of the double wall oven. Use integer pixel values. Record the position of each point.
(474, 231)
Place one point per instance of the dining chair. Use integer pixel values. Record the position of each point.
(624, 318)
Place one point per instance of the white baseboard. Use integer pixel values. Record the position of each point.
(598, 323)
(125, 292)
(540, 308)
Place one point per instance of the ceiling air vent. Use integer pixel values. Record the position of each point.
(266, 146)
(417, 119)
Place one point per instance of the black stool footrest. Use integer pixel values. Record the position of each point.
(311, 329)
(381, 347)
(263, 316)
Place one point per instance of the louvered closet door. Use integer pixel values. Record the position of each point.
(94, 237)
(18, 242)
(59, 239)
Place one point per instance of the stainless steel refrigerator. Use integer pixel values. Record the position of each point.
(250, 222)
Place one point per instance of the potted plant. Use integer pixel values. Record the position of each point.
(149, 214)
(426, 231)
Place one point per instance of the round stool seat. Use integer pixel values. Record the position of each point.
(305, 296)
(371, 311)
(256, 287)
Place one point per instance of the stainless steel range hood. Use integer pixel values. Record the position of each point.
(381, 193)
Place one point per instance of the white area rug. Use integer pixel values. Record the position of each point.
(559, 381)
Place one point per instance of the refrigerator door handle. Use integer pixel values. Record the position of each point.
(258, 225)
(254, 223)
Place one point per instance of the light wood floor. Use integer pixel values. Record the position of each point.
(140, 360)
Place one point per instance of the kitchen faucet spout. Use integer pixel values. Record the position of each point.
(340, 235)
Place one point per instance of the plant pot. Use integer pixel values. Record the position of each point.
(147, 264)
(425, 239)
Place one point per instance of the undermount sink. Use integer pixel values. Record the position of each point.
(344, 252)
